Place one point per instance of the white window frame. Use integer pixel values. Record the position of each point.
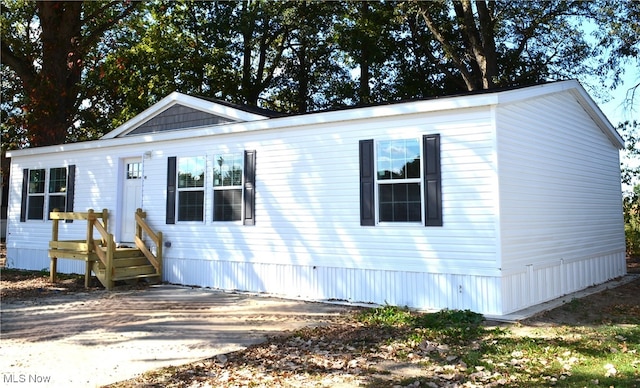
(46, 194)
(218, 182)
(186, 189)
(381, 182)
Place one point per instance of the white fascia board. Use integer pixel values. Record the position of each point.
(352, 114)
(594, 111)
(189, 101)
(85, 145)
(288, 122)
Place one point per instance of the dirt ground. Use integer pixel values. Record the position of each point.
(92, 338)
(612, 305)
(65, 335)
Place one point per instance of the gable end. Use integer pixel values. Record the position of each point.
(178, 117)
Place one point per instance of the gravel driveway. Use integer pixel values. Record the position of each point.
(92, 339)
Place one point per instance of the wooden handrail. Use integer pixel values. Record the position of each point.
(56, 215)
(84, 247)
(106, 238)
(103, 249)
(156, 238)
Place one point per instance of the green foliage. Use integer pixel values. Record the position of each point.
(388, 316)
(118, 58)
(629, 130)
(630, 174)
(448, 326)
(456, 342)
(619, 33)
(45, 49)
(631, 207)
(566, 356)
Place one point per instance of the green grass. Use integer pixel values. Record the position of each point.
(22, 274)
(566, 356)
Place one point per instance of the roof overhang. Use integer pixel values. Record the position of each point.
(252, 122)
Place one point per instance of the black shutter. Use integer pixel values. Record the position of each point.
(171, 190)
(71, 189)
(25, 193)
(367, 184)
(432, 185)
(249, 187)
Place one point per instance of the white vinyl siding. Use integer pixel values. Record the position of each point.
(530, 191)
(560, 202)
(307, 203)
(559, 184)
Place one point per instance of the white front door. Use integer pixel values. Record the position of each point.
(131, 198)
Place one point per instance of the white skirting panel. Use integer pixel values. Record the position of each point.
(38, 259)
(425, 291)
(538, 284)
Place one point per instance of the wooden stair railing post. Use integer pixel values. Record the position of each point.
(53, 269)
(138, 226)
(105, 217)
(156, 238)
(91, 219)
(111, 247)
(159, 251)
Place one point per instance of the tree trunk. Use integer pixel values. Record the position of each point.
(51, 69)
(478, 65)
(52, 93)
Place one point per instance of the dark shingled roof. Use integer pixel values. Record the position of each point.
(273, 114)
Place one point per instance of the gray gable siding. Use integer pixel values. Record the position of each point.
(178, 117)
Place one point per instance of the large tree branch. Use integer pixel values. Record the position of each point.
(471, 41)
(563, 9)
(448, 49)
(89, 40)
(423, 50)
(22, 67)
(486, 21)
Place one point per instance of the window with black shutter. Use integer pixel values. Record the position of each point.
(400, 181)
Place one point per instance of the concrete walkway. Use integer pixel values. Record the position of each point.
(93, 339)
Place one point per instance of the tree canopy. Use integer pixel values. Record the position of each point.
(73, 71)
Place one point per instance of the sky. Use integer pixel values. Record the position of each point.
(615, 109)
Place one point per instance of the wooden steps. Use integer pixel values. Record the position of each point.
(128, 264)
(108, 262)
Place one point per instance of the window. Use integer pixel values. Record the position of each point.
(234, 188)
(400, 181)
(227, 187)
(191, 188)
(45, 190)
(57, 188)
(134, 170)
(35, 204)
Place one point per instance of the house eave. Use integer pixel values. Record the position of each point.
(260, 123)
(287, 122)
